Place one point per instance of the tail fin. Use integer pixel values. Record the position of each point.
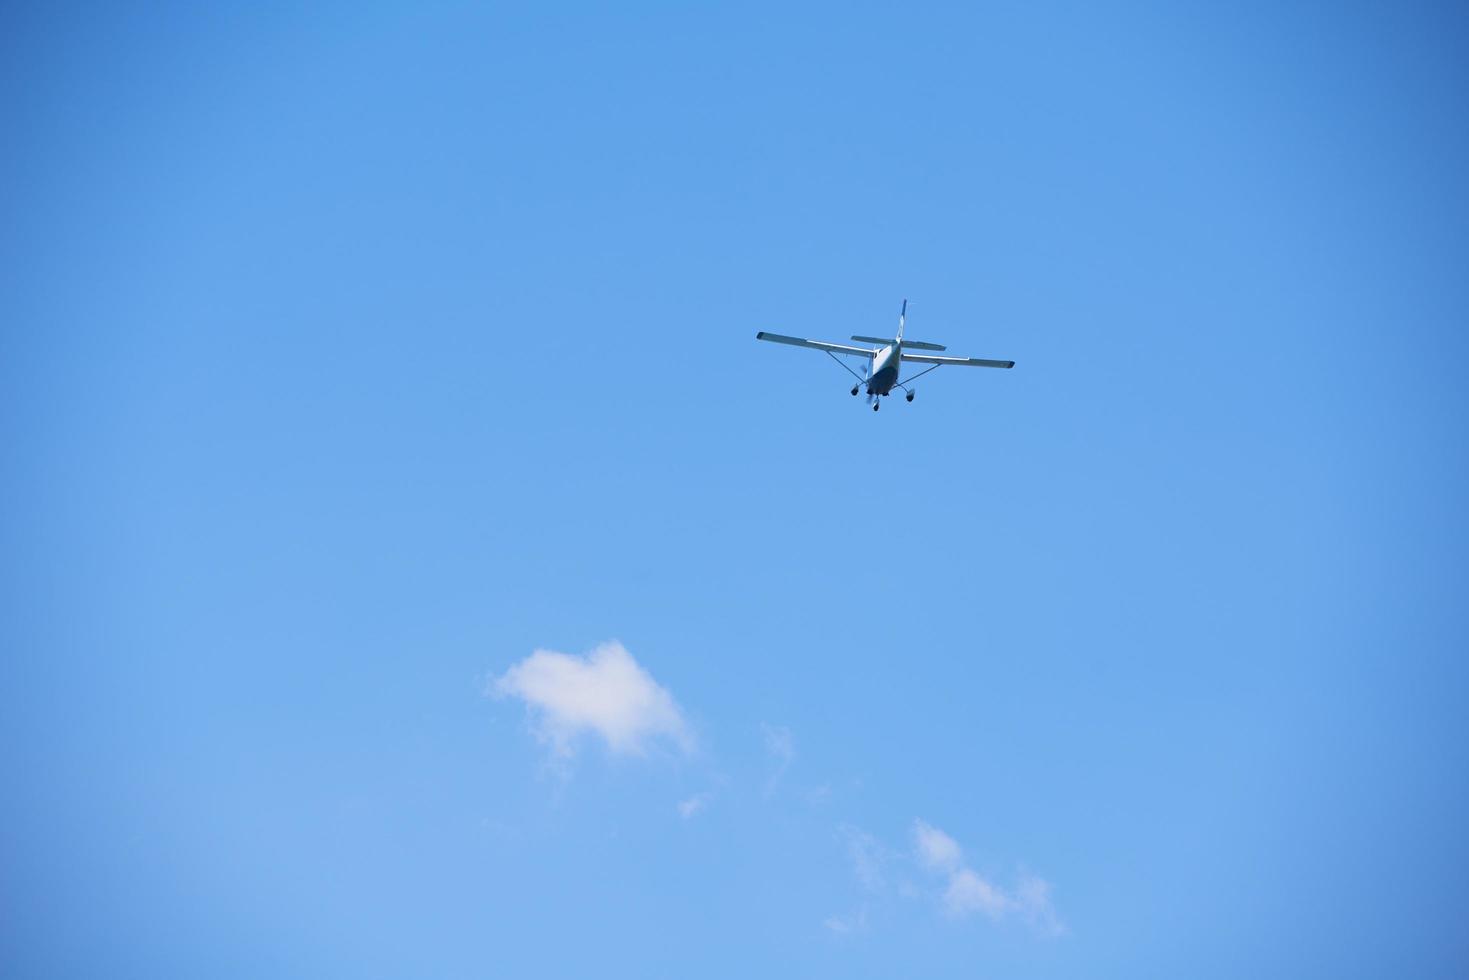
(902, 317)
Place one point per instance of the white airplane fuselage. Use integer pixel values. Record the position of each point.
(885, 365)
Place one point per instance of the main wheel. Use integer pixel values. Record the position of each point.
(854, 389)
(910, 396)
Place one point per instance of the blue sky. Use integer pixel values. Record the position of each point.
(351, 357)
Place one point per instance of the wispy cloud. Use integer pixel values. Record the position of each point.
(606, 694)
(1033, 903)
(689, 807)
(780, 745)
(967, 891)
(937, 851)
(844, 925)
(867, 856)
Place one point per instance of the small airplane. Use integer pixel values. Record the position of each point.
(883, 362)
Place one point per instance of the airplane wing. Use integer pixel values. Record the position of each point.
(776, 338)
(957, 361)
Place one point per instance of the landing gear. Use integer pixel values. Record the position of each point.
(876, 405)
(854, 389)
(910, 396)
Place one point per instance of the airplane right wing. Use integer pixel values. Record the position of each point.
(776, 338)
(959, 361)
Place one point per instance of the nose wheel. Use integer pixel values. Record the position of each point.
(876, 405)
(854, 389)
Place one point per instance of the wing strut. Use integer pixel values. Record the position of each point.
(848, 367)
(909, 381)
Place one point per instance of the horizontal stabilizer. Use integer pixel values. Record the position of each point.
(915, 344)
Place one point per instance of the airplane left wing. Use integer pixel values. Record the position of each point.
(957, 361)
(776, 338)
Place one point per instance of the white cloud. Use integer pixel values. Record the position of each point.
(604, 693)
(967, 892)
(1033, 902)
(780, 746)
(867, 856)
(844, 925)
(778, 742)
(687, 808)
(936, 849)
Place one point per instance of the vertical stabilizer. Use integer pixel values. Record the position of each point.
(902, 318)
